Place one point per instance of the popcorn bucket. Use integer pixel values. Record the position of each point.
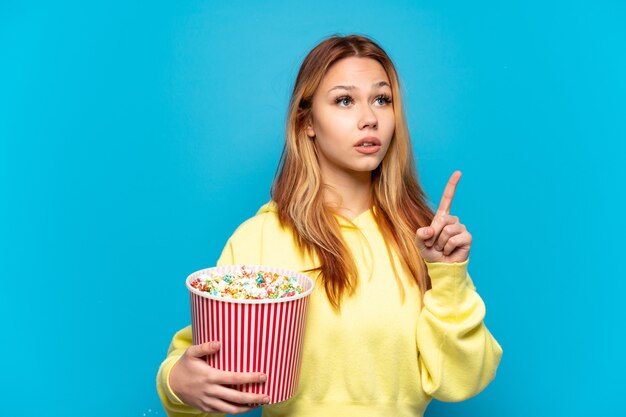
(256, 335)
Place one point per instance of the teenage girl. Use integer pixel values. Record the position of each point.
(394, 319)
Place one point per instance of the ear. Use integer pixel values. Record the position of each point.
(310, 132)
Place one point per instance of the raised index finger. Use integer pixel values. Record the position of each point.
(448, 193)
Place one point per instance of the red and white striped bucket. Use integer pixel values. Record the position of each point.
(256, 335)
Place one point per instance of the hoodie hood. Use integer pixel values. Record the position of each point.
(268, 208)
(362, 220)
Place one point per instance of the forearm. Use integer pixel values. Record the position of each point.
(458, 354)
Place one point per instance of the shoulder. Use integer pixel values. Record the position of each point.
(253, 241)
(265, 220)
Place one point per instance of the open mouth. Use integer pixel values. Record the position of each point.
(368, 146)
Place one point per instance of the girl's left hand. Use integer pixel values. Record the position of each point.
(446, 239)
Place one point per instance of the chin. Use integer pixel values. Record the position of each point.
(367, 167)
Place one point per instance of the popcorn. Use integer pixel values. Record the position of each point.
(245, 284)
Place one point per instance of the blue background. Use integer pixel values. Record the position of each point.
(135, 136)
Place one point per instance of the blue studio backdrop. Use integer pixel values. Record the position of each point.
(136, 136)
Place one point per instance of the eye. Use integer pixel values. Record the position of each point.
(383, 99)
(344, 101)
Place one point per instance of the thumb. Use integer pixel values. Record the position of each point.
(422, 234)
(208, 348)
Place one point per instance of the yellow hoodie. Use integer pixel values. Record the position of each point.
(381, 355)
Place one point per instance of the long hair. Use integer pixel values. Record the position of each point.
(399, 203)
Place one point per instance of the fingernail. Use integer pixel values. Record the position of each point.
(215, 345)
(266, 400)
(263, 378)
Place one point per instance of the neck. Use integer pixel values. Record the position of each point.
(348, 193)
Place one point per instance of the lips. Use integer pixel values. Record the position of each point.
(368, 142)
(368, 145)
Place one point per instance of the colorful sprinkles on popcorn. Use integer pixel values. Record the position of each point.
(246, 284)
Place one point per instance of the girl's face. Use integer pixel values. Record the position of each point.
(352, 119)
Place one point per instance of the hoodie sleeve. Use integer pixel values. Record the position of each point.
(174, 406)
(245, 246)
(246, 239)
(458, 355)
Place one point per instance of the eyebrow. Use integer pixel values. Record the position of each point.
(351, 87)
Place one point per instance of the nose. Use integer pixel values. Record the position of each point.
(368, 118)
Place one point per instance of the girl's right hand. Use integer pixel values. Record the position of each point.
(201, 386)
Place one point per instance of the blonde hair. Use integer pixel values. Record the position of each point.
(399, 203)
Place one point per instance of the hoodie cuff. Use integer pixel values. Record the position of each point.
(164, 382)
(451, 286)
